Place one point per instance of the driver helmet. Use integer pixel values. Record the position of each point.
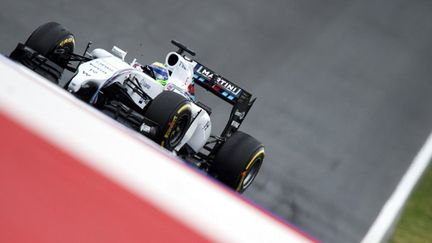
(160, 72)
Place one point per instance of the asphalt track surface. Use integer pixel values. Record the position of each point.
(343, 87)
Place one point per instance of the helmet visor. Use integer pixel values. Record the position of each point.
(159, 72)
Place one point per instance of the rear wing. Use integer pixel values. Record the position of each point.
(241, 100)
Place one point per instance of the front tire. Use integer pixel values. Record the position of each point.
(238, 161)
(50, 39)
(173, 114)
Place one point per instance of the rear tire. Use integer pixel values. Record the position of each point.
(49, 38)
(238, 161)
(172, 112)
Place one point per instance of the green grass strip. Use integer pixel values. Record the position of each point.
(415, 224)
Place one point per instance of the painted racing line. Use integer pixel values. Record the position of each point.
(121, 165)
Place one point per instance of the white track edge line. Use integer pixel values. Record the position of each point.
(384, 223)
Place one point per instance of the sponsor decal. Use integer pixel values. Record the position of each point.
(98, 66)
(206, 126)
(169, 87)
(225, 84)
(228, 86)
(67, 41)
(170, 128)
(206, 73)
(182, 66)
(239, 114)
(145, 84)
(235, 124)
(104, 65)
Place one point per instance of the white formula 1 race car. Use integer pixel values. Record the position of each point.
(157, 101)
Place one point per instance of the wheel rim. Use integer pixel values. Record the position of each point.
(252, 173)
(178, 131)
(68, 48)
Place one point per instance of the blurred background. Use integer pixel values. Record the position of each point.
(343, 87)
